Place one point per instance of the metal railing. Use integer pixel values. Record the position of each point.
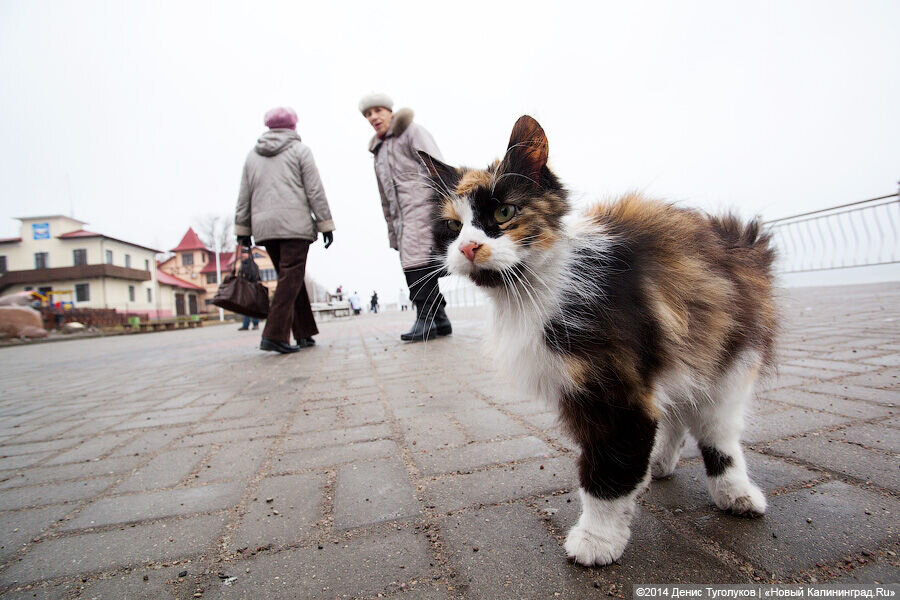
(460, 292)
(858, 234)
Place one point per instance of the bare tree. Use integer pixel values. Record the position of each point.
(216, 232)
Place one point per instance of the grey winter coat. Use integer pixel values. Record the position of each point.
(404, 191)
(281, 195)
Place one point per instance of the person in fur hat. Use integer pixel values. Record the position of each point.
(404, 199)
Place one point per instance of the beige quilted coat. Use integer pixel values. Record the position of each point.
(404, 192)
(281, 195)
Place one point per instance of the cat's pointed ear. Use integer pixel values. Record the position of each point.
(440, 173)
(528, 149)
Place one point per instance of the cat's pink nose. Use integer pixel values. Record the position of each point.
(469, 250)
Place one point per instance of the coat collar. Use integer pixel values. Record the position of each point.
(400, 123)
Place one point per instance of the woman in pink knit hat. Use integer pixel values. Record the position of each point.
(282, 204)
(282, 117)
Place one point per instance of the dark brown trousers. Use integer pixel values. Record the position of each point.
(290, 310)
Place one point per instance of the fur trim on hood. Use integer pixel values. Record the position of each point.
(399, 123)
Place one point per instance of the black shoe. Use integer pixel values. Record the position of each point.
(442, 323)
(306, 342)
(242, 329)
(273, 346)
(421, 331)
(255, 327)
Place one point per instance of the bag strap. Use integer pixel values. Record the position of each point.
(234, 263)
(240, 258)
(249, 254)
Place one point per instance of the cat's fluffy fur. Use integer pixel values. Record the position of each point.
(637, 319)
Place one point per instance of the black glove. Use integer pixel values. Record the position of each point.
(328, 238)
(244, 240)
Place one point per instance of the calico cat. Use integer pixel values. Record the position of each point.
(637, 319)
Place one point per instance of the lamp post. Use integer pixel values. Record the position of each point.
(217, 239)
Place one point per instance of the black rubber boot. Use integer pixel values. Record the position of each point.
(442, 323)
(431, 320)
(422, 329)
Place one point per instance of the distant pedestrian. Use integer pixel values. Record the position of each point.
(405, 201)
(355, 303)
(246, 325)
(282, 204)
(373, 302)
(250, 272)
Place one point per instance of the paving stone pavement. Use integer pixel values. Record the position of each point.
(188, 464)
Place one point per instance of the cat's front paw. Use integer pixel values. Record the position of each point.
(662, 469)
(589, 549)
(745, 500)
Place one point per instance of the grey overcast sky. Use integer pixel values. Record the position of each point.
(137, 116)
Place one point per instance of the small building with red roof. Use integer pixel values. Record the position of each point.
(184, 297)
(194, 263)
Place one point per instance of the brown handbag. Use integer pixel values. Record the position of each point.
(242, 292)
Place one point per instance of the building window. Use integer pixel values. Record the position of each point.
(207, 302)
(268, 274)
(40, 260)
(187, 259)
(109, 257)
(128, 261)
(131, 293)
(82, 292)
(149, 295)
(146, 264)
(79, 256)
(2, 264)
(210, 278)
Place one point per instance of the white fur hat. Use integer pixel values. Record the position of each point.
(375, 99)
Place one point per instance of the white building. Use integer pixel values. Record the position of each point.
(56, 254)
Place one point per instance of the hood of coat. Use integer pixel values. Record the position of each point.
(276, 141)
(402, 118)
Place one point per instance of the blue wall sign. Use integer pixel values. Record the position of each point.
(40, 231)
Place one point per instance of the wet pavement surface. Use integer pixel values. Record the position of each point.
(188, 464)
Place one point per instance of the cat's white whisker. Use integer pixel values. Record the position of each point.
(497, 180)
(432, 273)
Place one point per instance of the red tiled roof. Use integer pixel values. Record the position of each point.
(190, 241)
(225, 259)
(81, 233)
(166, 279)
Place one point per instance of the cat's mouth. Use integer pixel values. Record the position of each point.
(486, 277)
(481, 274)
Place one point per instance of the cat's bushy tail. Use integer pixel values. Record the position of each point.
(738, 233)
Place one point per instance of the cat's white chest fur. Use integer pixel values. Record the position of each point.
(517, 343)
(519, 318)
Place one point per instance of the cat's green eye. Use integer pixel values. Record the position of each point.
(454, 225)
(504, 213)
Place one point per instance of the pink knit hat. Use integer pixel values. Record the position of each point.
(282, 117)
